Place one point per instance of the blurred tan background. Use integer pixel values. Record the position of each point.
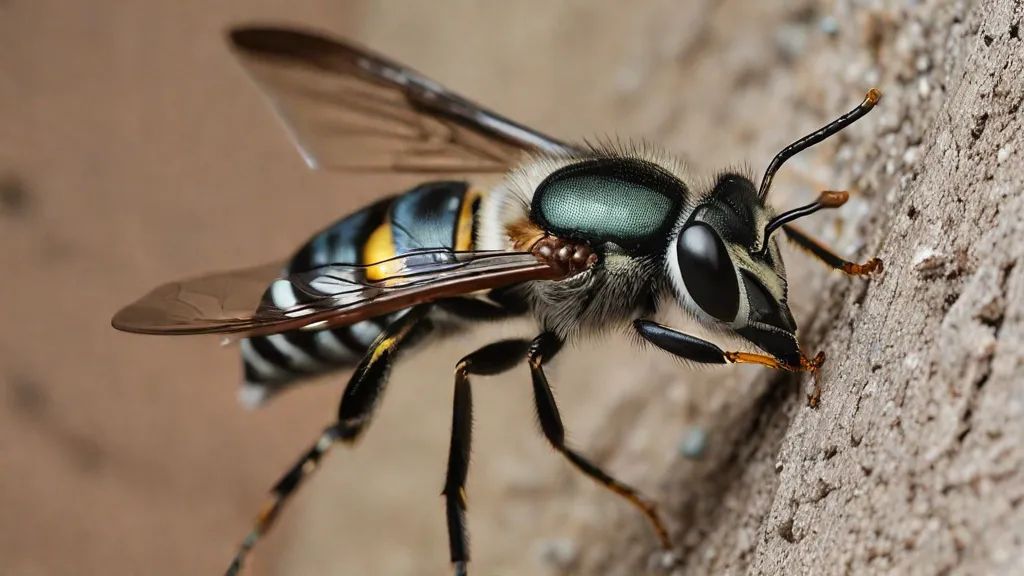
(135, 151)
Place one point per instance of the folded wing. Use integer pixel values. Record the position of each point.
(240, 301)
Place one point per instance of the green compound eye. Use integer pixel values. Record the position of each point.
(629, 202)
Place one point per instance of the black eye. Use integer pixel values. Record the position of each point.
(707, 271)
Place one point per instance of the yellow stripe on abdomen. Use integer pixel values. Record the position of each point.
(464, 225)
(379, 247)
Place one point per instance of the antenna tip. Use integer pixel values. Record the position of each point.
(833, 198)
(873, 96)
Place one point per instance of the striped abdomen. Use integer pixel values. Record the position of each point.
(432, 215)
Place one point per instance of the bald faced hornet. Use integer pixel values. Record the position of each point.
(581, 238)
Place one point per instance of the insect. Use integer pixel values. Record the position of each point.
(584, 239)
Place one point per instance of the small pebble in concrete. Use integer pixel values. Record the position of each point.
(693, 443)
(928, 260)
(828, 24)
(561, 553)
(1003, 155)
(910, 155)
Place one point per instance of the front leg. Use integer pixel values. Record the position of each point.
(703, 352)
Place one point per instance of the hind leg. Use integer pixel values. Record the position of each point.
(354, 413)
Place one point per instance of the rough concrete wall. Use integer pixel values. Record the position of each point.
(913, 462)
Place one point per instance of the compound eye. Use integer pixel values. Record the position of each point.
(707, 271)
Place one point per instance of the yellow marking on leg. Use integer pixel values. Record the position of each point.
(382, 348)
(748, 358)
(385, 344)
(806, 364)
(267, 514)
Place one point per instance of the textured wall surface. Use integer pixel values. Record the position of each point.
(135, 151)
(913, 463)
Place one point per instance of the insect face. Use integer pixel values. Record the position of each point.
(721, 274)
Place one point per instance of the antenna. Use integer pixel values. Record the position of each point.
(830, 129)
(827, 199)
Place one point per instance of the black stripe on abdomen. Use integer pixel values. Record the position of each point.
(427, 216)
(281, 358)
(341, 242)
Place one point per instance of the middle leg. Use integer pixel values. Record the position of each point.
(541, 350)
(491, 359)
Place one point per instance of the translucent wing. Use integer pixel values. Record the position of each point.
(335, 294)
(350, 109)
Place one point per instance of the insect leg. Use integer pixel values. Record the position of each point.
(829, 257)
(491, 359)
(356, 408)
(701, 351)
(541, 350)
